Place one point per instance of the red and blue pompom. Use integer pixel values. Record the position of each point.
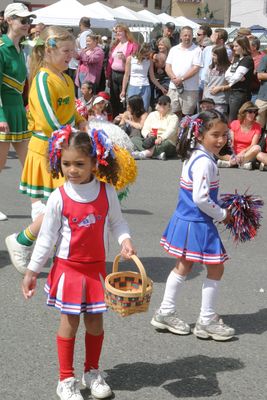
(246, 212)
(81, 108)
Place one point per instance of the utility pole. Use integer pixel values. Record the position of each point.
(170, 8)
(227, 12)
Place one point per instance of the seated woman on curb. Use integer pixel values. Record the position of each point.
(245, 134)
(133, 119)
(159, 133)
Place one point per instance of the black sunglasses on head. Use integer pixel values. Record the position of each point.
(24, 20)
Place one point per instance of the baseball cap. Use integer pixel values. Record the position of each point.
(18, 9)
(104, 38)
(98, 99)
(170, 25)
(207, 100)
(105, 95)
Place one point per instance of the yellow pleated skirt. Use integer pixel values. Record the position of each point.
(36, 180)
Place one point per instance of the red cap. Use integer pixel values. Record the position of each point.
(105, 95)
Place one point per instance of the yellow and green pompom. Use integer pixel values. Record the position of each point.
(127, 169)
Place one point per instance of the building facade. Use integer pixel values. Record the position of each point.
(204, 10)
(249, 13)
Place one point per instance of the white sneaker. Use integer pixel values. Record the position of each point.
(94, 380)
(223, 164)
(215, 329)
(138, 155)
(20, 255)
(262, 167)
(68, 389)
(247, 165)
(162, 156)
(3, 216)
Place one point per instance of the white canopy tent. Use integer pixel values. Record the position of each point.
(123, 13)
(137, 19)
(69, 13)
(164, 18)
(117, 15)
(183, 21)
(100, 9)
(151, 17)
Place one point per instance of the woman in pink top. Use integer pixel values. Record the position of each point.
(122, 48)
(90, 63)
(245, 132)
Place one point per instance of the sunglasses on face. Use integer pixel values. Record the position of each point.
(163, 104)
(252, 112)
(199, 34)
(24, 20)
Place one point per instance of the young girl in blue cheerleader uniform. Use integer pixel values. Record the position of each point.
(191, 235)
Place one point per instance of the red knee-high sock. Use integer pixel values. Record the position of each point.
(93, 346)
(65, 350)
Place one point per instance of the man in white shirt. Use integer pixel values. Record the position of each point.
(182, 66)
(84, 26)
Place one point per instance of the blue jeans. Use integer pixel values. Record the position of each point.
(236, 100)
(254, 97)
(143, 91)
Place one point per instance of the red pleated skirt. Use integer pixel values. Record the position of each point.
(76, 288)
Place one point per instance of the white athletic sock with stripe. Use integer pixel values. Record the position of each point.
(210, 290)
(173, 286)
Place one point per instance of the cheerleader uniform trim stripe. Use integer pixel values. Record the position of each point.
(45, 100)
(72, 308)
(35, 191)
(193, 256)
(13, 83)
(15, 137)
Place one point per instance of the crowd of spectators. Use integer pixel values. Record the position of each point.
(146, 89)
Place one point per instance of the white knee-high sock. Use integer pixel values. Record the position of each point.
(210, 291)
(173, 285)
(37, 208)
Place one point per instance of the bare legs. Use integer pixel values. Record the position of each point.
(21, 149)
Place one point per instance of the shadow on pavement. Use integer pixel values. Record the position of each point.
(138, 212)
(255, 323)
(191, 376)
(13, 216)
(4, 259)
(157, 268)
(12, 155)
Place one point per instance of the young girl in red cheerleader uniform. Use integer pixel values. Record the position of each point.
(77, 219)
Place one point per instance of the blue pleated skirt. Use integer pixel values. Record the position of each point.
(195, 241)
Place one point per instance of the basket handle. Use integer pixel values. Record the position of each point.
(139, 266)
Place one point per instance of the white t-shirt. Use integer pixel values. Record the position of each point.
(82, 38)
(183, 59)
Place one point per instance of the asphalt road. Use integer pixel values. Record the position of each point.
(143, 364)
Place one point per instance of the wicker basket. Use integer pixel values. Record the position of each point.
(128, 292)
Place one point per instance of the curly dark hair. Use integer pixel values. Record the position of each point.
(82, 142)
(184, 144)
